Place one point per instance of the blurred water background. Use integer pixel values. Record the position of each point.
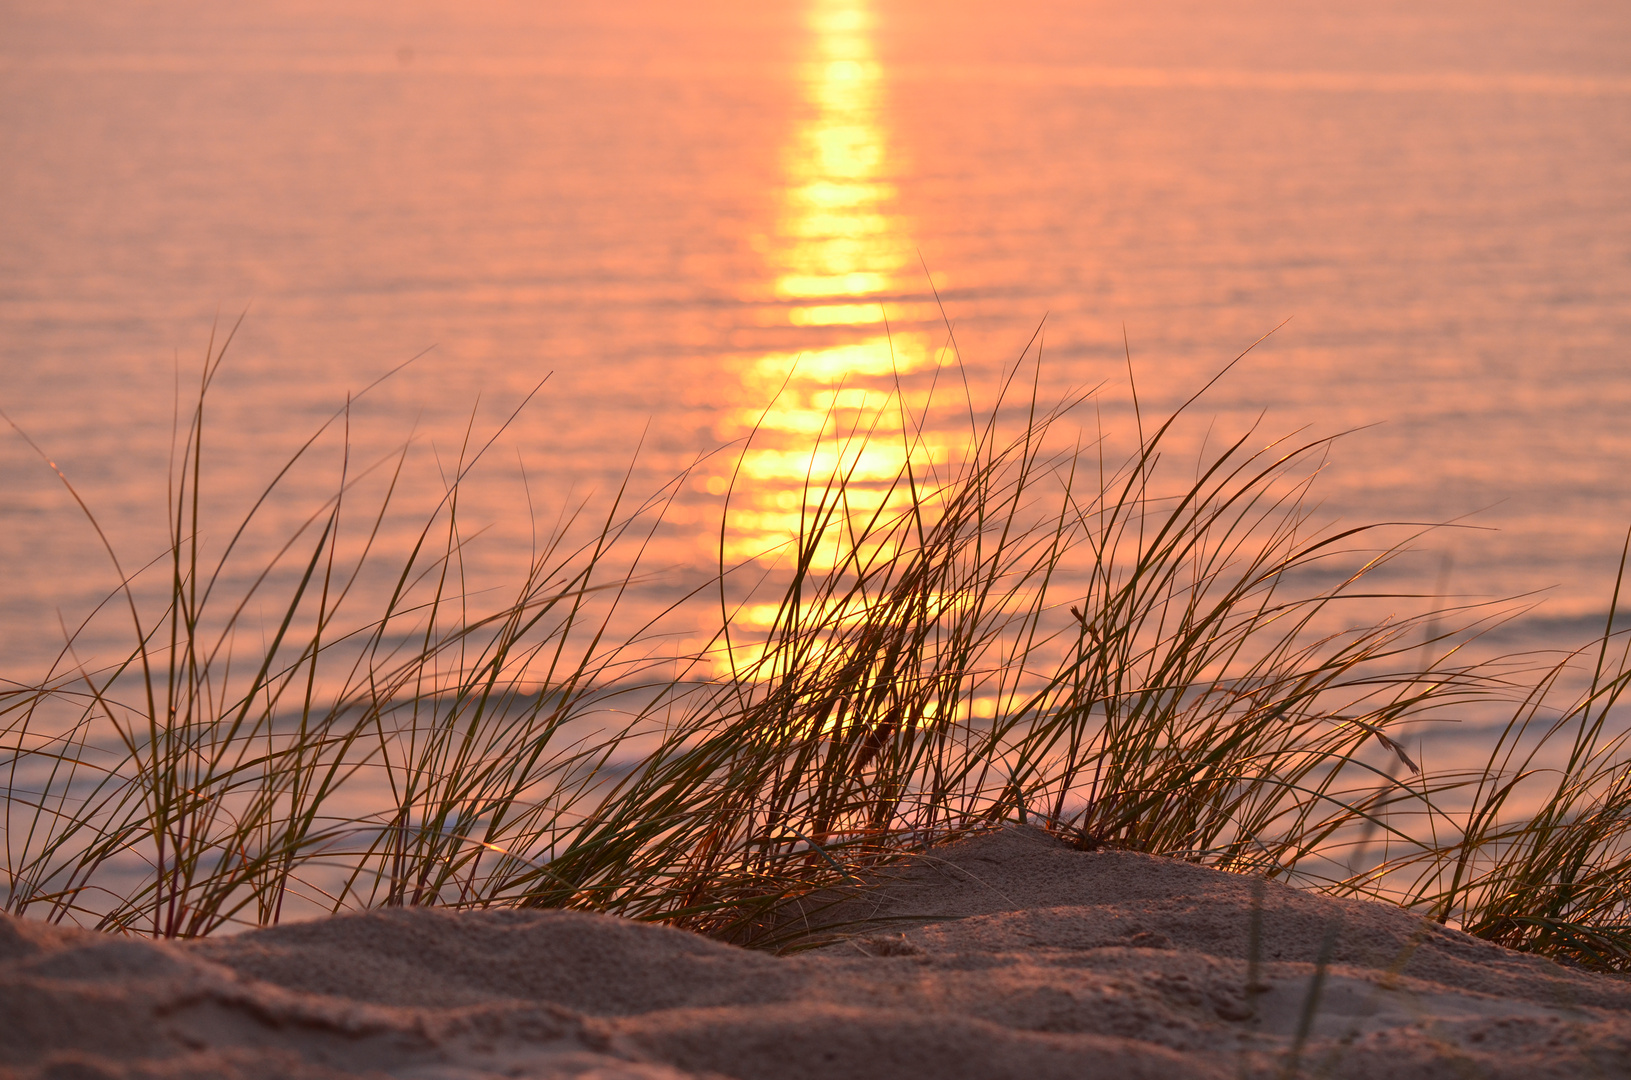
(661, 207)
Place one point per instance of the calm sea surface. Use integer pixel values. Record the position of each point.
(662, 206)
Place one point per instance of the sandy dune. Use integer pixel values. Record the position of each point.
(1007, 955)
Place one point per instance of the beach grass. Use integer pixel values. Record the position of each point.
(1124, 650)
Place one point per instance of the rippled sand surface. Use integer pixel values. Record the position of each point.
(1008, 955)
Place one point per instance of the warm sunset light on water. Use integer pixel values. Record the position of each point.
(846, 238)
(708, 221)
(843, 251)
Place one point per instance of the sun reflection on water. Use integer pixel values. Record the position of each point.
(842, 239)
(839, 261)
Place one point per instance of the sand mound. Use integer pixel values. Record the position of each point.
(1007, 955)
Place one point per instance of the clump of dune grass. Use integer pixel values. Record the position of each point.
(224, 786)
(1539, 858)
(1185, 705)
(1129, 652)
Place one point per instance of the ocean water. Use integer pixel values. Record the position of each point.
(693, 221)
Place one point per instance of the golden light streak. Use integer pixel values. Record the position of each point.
(837, 315)
(841, 244)
(844, 240)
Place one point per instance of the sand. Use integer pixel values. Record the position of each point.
(1005, 955)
